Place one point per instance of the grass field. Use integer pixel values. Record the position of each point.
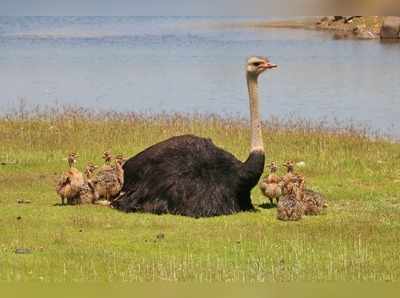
(357, 240)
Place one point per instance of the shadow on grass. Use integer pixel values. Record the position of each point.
(61, 205)
(267, 205)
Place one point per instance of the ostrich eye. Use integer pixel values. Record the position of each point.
(256, 63)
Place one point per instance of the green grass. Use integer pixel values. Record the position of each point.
(357, 240)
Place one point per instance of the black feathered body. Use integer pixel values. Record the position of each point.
(190, 176)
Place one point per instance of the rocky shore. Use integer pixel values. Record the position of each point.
(346, 27)
(351, 26)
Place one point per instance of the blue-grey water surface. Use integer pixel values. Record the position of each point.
(196, 64)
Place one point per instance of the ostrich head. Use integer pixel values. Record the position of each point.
(289, 165)
(107, 156)
(273, 167)
(72, 158)
(90, 168)
(120, 159)
(257, 65)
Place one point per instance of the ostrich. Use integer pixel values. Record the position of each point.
(189, 175)
(109, 179)
(107, 156)
(118, 168)
(314, 202)
(290, 176)
(102, 177)
(271, 185)
(70, 182)
(87, 193)
(117, 177)
(291, 207)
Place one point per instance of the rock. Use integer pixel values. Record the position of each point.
(361, 32)
(349, 19)
(390, 28)
(301, 164)
(337, 18)
(6, 163)
(23, 201)
(103, 203)
(324, 20)
(23, 251)
(366, 35)
(341, 35)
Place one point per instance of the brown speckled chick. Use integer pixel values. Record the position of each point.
(109, 179)
(290, 206)
(70, 182)
(289, 177)
(270, 185)
(88, 193)
(314, 202)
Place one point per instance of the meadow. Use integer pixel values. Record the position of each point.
(358, 239)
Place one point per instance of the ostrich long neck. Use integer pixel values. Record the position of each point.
(256, 135)
(253, 167)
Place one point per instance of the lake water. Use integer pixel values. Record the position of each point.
(195, 64)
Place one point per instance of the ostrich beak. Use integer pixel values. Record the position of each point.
(268, 65)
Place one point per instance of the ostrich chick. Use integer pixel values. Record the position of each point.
(70, 182)
(107, 156)
(290, 207)
(118, 179)
(109, 179)
(289, 178)
(88, 193)
(270, 186)
(314, 202)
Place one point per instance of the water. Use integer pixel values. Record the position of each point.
(193, 64)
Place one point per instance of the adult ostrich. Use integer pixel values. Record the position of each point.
(189, 175)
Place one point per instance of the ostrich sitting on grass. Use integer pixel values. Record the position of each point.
(271, 185)
(314, 202)
(109, 179)
(189, 175)
(290, 206)
(70, 183)
(88, 193)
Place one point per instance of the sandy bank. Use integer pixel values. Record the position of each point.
(355, 27)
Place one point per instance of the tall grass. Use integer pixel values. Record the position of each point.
(357, 240)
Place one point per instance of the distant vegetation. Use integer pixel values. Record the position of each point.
(358, 239)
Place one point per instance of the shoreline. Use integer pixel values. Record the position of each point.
(351, 28)
(308, 24)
